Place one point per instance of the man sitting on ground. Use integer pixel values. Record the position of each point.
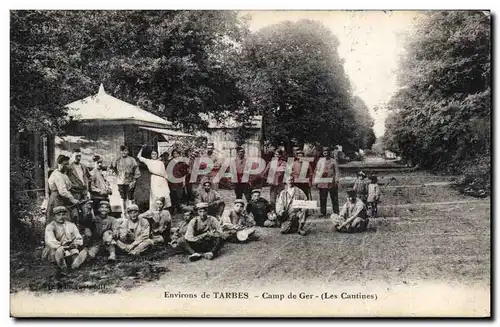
(292, 219)
(179, 231)
(63, 241)
(203, 235)
(134, 233)
(259, 208)
(106, 229)
(238, 225)
(208, 195)
(352, 217)
(160, 222)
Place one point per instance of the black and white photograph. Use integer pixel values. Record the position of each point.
(250, 163)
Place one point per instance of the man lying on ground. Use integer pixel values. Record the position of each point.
(215, 202)
(203, 235)
(352, 217)
(259, 208)
(292, 219)
(160, 222)
(238, 225)
(63, 241)
(134, 233)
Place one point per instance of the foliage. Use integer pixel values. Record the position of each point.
(441, 114)
(294, 77)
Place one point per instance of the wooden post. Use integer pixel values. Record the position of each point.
(45, 166)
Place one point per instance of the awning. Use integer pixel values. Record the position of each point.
(167, 132)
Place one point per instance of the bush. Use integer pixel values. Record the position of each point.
(475, 177)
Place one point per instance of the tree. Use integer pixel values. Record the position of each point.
(294, 77)
(441, 114)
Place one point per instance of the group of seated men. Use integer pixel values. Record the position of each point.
(200, 235)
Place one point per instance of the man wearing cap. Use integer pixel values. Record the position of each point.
(329, 171)
(238, 225)
(203, 236)
(259, 207)
(100, 189)
(352, 217)
(242, 187)
(276, 184)
(179, 231)
(134, 233)
(215, 165)
(361, 186)
(59, 187)
(292, 219)
(107, 229)
(208, 195)
(296, 168)
(127, 172)
(160, 222)
(79, 176)
(63, 241)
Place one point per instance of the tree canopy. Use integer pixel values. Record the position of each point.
(441, 114)
(294, 77)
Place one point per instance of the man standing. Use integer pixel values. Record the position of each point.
(79, 176)
(276, 183)
(100, 190)
(352, 218)
(329, 171)
(215, 202)
(134, 233)
(242, 187)
(292, 219)
(127, 172)
(63, 241)
(304, 185)
(215, 166)
(203, 235)
(259, 208)
(238, 225)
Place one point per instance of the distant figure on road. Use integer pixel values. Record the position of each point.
(361, 186)
(373, 196)
(352, 217)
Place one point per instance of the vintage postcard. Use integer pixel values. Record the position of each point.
(224, 163)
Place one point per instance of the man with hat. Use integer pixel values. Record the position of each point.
(106, 229)
(361, 186)
(100, 189)
(352, 217)
(238, 225)
(203, 236)
(292, 219)
(259, 207)
(327, 168)
(208, 195)
(215, 166)
(134, 233)
(59, 187)
(304, 185)
(63, 241)
(241, 187)
(127, 172)
(160, 222)
(79, 176)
